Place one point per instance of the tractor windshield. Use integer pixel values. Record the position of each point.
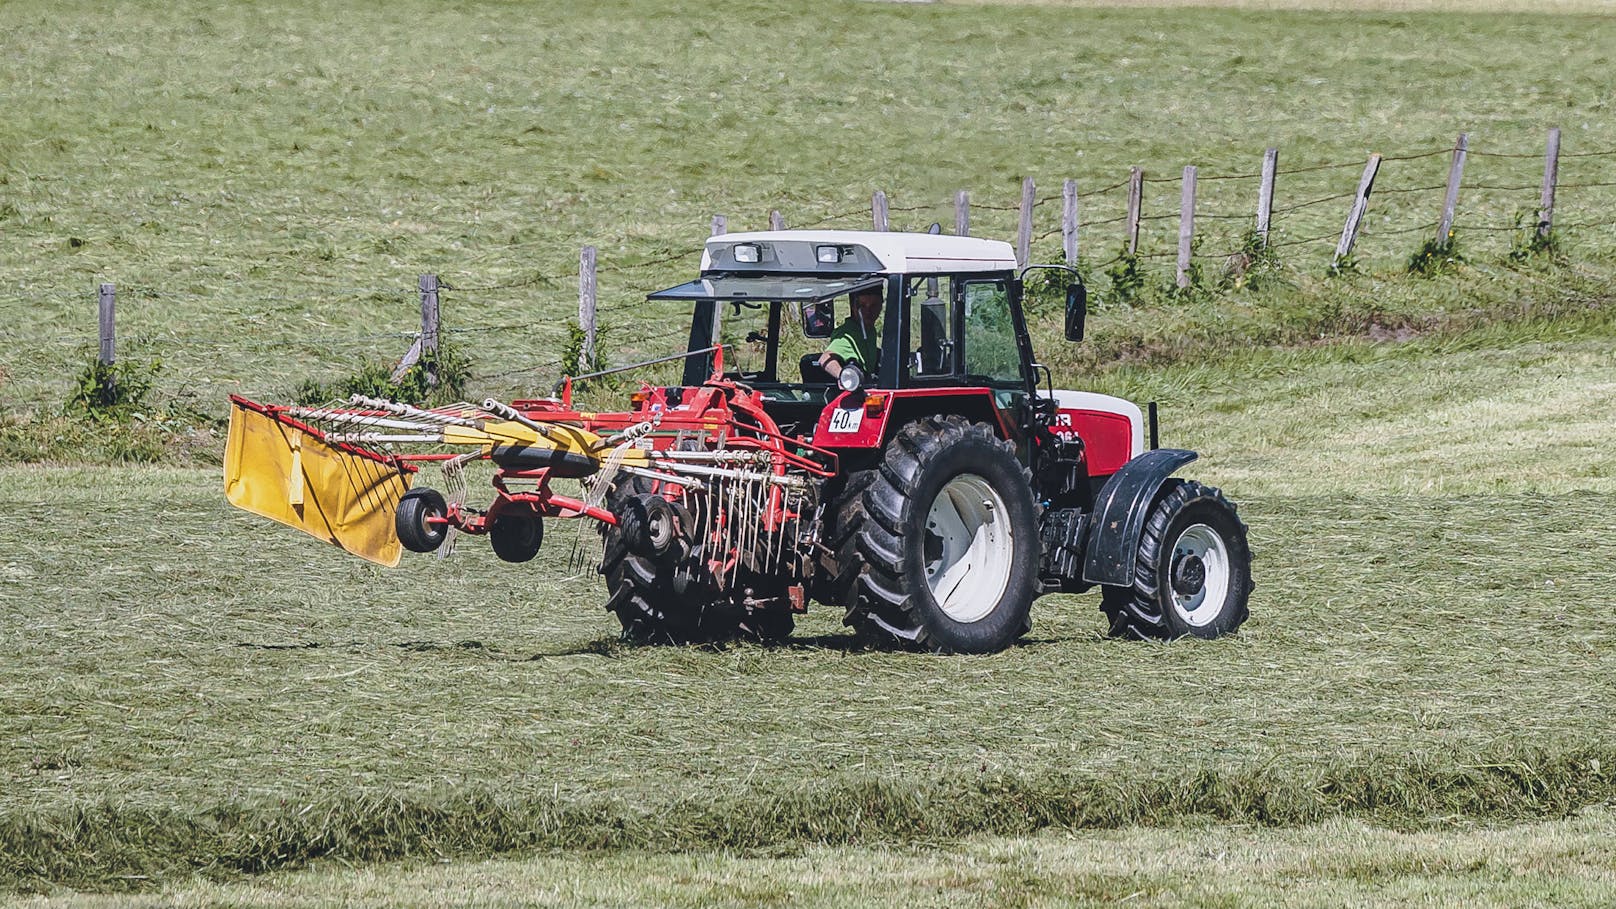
(763, 289)
(774, 328)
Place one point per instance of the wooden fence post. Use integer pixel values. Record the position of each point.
(109, 341)
(587, 298)
(1069, 221)
(720, 225)
(962, 214)
(1450, 202)
(1136, 200)
(1551, 179)
(1360, 205)
(878, 210)
(1265, 194)
(777, 221)
(1029, 196)
(1186, 225)
(429, 323)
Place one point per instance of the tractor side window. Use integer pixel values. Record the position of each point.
(990, 335)
(931, 331)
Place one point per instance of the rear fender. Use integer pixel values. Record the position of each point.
(1120, 511)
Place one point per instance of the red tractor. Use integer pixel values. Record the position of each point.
(924, 476)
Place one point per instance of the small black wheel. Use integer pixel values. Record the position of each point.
(768, 626)
(413, 520)
(651, 526)
(516, 537)
(1192, 576)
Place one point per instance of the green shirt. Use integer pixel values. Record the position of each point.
(852, 341)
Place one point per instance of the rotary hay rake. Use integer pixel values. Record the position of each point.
(707, 497)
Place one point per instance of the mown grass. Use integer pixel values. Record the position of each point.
(190, 689)
(1338, 863)
(264, 183)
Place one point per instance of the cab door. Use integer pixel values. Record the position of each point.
(992, 341)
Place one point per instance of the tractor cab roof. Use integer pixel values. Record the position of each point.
(852, 252)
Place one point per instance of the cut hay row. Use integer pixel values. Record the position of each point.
(107, 846)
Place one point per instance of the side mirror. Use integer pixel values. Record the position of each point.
(818, 321)
(1077, 310)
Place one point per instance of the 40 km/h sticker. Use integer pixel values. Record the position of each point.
(846, 420)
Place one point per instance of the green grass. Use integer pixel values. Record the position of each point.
(265, 182)
(1340, 863)
(191, 689)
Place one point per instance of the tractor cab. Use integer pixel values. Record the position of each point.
(949, 318)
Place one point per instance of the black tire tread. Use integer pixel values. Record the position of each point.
(870, 530)
(1137, 611)
(409, 519)
(653, 608)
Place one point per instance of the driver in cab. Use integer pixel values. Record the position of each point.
(856, 340)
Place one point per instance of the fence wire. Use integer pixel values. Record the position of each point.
(1478, 200)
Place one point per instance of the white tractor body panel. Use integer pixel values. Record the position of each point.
(899, 253)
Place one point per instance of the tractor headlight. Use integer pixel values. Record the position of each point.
(748, 253)
(851, 378)
(828, 255)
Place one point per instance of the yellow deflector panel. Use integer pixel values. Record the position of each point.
(293, 477)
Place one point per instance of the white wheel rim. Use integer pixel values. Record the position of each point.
(1203, 606)
(968, 548)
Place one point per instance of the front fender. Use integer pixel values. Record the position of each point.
(1120, 511)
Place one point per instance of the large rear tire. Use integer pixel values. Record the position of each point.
(660, 587)
(1192, 576)
(939, 546)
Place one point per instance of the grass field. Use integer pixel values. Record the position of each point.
(205, 692)
(1347, 6)
(264, 183)
(1417, 710)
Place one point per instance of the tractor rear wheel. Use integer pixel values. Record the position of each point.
(939, 546)
(1192, 576)
(659, 584)
(640, 584)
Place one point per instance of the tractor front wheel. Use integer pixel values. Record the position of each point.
(1192, 576)
(946, 544)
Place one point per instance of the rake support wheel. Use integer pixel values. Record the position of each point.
(516, 537)
(938, 547)
(1192, 576)
(416, 520)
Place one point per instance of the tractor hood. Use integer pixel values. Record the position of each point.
(766, 288)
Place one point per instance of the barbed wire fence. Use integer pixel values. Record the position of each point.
(1222, 220)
